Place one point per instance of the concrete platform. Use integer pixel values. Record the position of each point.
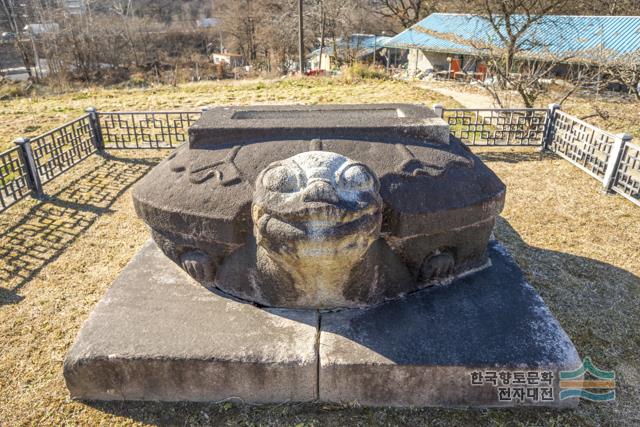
(159, 335)
(423, 350)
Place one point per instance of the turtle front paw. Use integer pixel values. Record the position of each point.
(199, 266)
(437, 266)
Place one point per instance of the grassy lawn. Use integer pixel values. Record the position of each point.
(618, 114)
(38, 114)
(578, 247)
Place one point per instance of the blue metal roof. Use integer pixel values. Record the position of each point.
(362, 44)
(584, 37)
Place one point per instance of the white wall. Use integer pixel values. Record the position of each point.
(326, 62)
(419, 60)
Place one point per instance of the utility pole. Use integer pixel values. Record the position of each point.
(375, 48)
(38, 70)
(300, 39)
(322, 38)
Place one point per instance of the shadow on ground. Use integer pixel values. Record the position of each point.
(44, 232)
(510, 156)
(50, 226)
(592, 301)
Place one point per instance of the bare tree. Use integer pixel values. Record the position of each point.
(14, 13)
(602, 7)
(517, 58)
(406, 12)
(238, 20)
(277, 34)
(580, 76)
(625, 71)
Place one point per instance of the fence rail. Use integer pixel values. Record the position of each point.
(497, 127)
(146, 129)
(610, 158)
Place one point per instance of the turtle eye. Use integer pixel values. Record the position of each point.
(357, 178)
(281, 179)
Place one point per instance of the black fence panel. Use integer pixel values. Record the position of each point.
(14, 177)
(497, 127)
(146, 129)
(62, 148)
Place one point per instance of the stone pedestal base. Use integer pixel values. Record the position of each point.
(481, 341)
(159, 335)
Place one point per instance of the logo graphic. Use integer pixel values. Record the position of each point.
(572, 385)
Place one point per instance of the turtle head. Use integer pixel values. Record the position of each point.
(316, 204)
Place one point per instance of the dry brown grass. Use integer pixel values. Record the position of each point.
(37, 114)
(578, 246)
(619, 114)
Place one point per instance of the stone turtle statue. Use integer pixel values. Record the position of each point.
(321, 207)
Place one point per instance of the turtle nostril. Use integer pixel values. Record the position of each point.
(320, 191)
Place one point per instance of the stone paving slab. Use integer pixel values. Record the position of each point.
(158, 335)
(422, 350)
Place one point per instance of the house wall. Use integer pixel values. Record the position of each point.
(231, 60)
(420, 60)
(326, 62)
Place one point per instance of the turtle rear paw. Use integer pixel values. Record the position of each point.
(199, 265)
(437, 266)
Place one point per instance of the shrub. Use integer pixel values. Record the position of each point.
(10, 89)
(359, 71)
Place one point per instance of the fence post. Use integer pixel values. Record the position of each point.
(439, 110)
(614, 160)
(33, 178)
(551, 117)
(96, 130)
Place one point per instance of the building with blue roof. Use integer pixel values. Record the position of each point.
(443, 41)
(357, 46)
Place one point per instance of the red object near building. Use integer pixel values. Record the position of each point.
(454, 68)
(315, 73)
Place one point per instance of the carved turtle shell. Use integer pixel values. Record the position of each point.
(436, 193)
(428, 186)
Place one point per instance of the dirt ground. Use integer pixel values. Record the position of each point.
(578, 246)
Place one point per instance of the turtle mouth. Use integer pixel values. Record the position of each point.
(318, 225)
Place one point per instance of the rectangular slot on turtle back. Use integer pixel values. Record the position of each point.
(372, 122)
(327, 114)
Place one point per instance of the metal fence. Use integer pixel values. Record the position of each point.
(496, 127)
(14, 177)
(626, 180)
(584, 145)
(610, 158)
(146, 129)
(25, 168)
(64, 147)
